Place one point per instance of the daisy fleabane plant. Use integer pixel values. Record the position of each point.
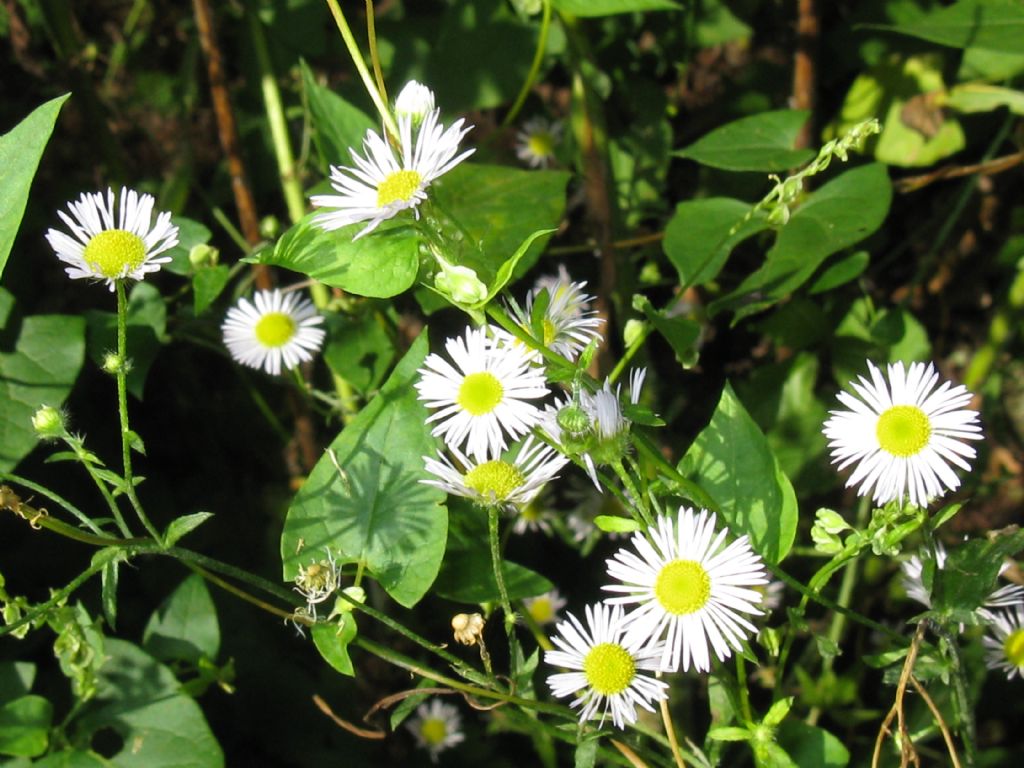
(272, 330)
(112, 239)
(690, 587)
(482, 395)
(606, 674)
(436, 727)
(536, 141)
(903, 433)
(382, 184)
(568, 323)
(1004, 647)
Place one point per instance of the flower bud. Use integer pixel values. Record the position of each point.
(48, 422)
(461, 284)
(203, 256)
(415, 101)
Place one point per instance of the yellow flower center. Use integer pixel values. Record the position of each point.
(541, 144)
(433, 731)
(1014, 648)
(400, 185)
(609, 668)
(114, 253)
(541, 610)
(480, 393)
(903, 430)
(275, 329)
(494, 479)
(682, 587)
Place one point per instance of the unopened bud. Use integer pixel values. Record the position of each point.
(461, 284)
(48, 422)
(203, 256)
(415, 101)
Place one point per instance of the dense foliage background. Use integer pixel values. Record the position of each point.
(919, 257)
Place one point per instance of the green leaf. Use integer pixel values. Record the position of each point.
(44, 365)
(381, 264)
(969, 574)
(147, 331)
(16, 677)
(181, 526)
(699, 236)
(184, 627)
(841, 271)
(467, 576)
(996, 25)
(778, 711)
(679, 332)
(332, 640)
(359, 349)
(507, 268)
(376, 510)
(809, 745)
(616, 524)
(729, 733)
(207, 285)
(586, 752)
(140, 700)
(496, 209)
(20, 151)
(25, 726)
(590, 8)
(190, 234)
(732, 462)
(337, 125)
(980, 97)
(839, 214)
(108, 591)
(763, 142)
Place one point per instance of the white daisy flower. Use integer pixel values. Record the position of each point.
(608, 667)
(533, 518)
(903, 434)
(690, 587)
(544, 609)
(382, 184)
(1004, 648)
(113, 241)
(483, 396)
(771, 594)
(507, 482)
(913, 582)
(536, 141)
(415, 101)
(275, 327)
(437, 726)
(569, 324)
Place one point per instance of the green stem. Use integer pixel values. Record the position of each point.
(371, 36)
(639, 502)
(58, 597)
(122, 409)
(78, 446)
(290, 185)
(364, 73)
(689, 488)
(538, 59)
(499, 573)
(741, 686)
(75, 511)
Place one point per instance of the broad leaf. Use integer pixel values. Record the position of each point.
(980, 97)
(841, 271)
(20, 151)
(16, 677)
(996, 25)
(375, 510)
(333, 639)
(207, 285)
(969, 574)
(468, 577)
(761, 142)
(359, 349)
(25, 726)
(699, 237)
(337, 125)
(184, 627)
(47, 357)
(609, 7)
(732, 462)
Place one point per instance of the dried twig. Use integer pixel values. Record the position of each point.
(987, 168)
(807, 28)
(946, 735)
(907, 752)
(324, 707)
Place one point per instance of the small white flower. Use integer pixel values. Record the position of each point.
(913, 582)
(1004, 648)
(436, 727)
(111, 241)
(771, 594)
(568, 323)
(483, 396)
(507, 482)
(382, 185)
(536, 141)
(608, 667)
(544, 609)
(275, 327)
(903, 434)
(691, 588)
(415, 101)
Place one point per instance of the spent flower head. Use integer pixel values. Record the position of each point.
(275, 328)
(113, 240)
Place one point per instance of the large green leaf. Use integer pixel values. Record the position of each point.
(810, 745)
(970, 572)
(25, 726)
(47, 357)
(184, 627)
(732, 462)
(609, 7)
(761, 142)
(20, 150)
(841, 213)
(333, 639)
(381, 264)
(497, 209)
(376, 510)
(699, 237)
(337, 125)
(996, 25)
(468, 577)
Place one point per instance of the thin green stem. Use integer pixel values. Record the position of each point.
(75, 511)
(290, 184)
(741, 687)
(538, 59)
(499, 572)
(371, 36)
(639, 501)
(360, 65)
(78, 446)
(122, 409)
(651, 452)
(58, 597)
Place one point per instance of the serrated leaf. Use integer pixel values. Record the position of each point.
(333, 639)
(184, 627)
(763, 142)
(378, 511)
(732, 462)
(183, 525)
(699, 237)
(20, 151)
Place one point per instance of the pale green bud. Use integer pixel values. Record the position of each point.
(461, 284)
(203, 256)
(632, 331)
(48, 422)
